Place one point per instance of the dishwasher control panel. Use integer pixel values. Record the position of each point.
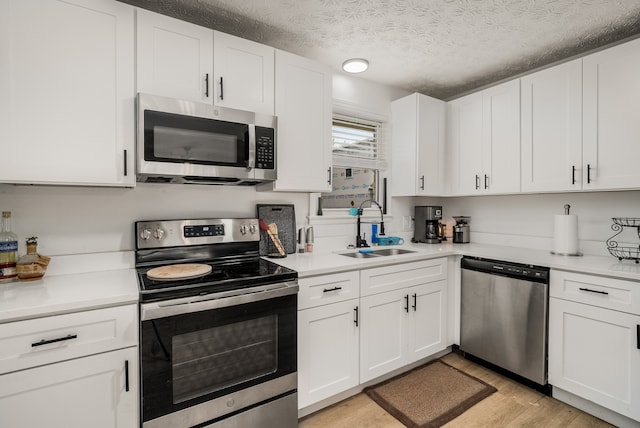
(516, 270)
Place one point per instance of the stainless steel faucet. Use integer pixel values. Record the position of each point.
(360, 241)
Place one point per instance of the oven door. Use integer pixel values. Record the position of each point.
(205, 358)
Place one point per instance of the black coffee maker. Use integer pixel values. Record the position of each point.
(427, 224)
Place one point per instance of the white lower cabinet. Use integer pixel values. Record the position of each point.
(71, 371)
(400, 327)
(328, 334)
(594, 351)
(328, 351)
(355, 326)
(94, 391)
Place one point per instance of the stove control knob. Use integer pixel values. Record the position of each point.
(158, 233)
(243, 229)
(145, 234)
(253, 229)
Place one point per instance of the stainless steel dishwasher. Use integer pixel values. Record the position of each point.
(504, 315)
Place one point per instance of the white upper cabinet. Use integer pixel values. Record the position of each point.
(552, 129)
(465, 136)
(418, 136)
(174, 58)
(181, 60)
(67, 92)
(303, 107)
(243, 74)
(484, 136)
(501, 138)
(611, 125)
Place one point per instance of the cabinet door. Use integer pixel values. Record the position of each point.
(552, 129)
(303, 107)
(404, 138)
(66, 92)
(594, 353)
(174, 58)
(244, 74)
(465, 133)
(85, 392)
(418, 159)
(327, 351)
(501, 138)
(427, 320)
(611, 126)
(383, 333)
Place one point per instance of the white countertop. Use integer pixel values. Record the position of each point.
(58, 294)
(310, 264)
(64, 293)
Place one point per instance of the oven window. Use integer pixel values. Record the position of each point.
(210, 360)
(194, 146)
(178, 138)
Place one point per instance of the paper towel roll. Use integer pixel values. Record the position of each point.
(565, 234)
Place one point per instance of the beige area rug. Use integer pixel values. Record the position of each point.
(429, 396)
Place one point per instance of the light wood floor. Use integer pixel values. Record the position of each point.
(513, 405)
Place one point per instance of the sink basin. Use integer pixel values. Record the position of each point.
(378, 253)
(392, 251)
(359, 255)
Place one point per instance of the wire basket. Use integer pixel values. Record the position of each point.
(627, 221)
(625, 253)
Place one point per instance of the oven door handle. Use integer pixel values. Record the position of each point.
(154, 310)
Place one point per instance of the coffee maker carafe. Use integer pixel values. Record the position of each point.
(427, 224)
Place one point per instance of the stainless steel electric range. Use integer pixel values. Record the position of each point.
(218, 327)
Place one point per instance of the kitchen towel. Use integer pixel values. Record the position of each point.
(565, 234)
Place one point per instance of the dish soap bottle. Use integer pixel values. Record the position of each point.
(8, 249)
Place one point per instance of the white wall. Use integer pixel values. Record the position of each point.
(75, 220)
(527, 220)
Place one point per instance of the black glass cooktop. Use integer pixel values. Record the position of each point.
(223, 277)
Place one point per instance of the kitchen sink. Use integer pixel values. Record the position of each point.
(378, 253)
(359, 255)
(392, 251)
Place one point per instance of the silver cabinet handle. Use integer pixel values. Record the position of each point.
(356, 319)
(486, 181)
(477, 182)
(329, 175)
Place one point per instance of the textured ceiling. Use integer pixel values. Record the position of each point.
(441, 48)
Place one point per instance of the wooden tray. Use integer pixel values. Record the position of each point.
(177, 272)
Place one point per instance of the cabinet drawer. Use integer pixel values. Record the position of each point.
(325, 289)
(35, 342)
(610, 293)
(387, 278)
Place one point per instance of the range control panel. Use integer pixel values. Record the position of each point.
(177, 233)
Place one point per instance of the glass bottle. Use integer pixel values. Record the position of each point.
(8, 249)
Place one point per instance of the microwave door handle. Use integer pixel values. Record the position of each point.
(251, 162)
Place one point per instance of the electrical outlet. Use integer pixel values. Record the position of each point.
(407, 223)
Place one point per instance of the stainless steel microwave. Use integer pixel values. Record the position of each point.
(194, 143)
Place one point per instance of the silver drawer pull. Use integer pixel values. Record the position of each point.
(59, 339)
(593, 291)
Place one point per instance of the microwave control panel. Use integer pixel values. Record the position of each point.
(265, 148)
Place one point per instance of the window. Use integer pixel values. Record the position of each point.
(358, 159)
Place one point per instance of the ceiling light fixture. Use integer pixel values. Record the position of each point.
(355, 65)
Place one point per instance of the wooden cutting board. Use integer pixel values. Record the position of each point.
(176, 272)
